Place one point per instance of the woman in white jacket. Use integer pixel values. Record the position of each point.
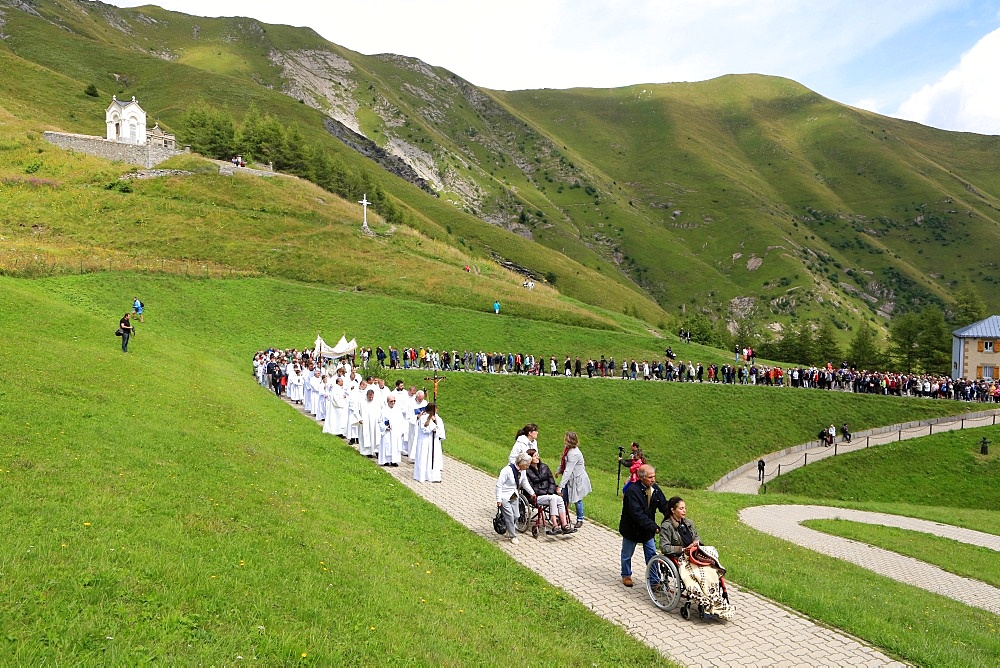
(575, 481)
(526, 439)
(511, 477)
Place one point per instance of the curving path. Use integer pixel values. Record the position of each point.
(784, 522)
(585, 565)
(743, 480)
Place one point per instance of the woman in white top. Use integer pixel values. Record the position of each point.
(510, 479)
(526, 439)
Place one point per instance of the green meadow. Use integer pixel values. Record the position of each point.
(163, 506)
(160, 506)
(970, 561)
(945, 469)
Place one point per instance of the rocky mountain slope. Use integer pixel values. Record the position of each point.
(742, 197)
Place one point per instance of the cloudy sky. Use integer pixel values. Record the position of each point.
(932, 61)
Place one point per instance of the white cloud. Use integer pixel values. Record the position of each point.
(967, 98)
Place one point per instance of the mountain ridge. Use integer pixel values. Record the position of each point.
(744, 196)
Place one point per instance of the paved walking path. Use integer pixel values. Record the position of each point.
(585, 565)
(784, 522)
(744, 480)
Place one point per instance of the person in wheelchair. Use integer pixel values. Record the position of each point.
(701, 573)
(549, 494)
(677, 531)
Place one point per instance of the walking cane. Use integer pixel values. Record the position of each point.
(621, 453)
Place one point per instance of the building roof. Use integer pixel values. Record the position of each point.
(115, 102)
(984, 329)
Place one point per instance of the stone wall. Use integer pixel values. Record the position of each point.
(144, 156)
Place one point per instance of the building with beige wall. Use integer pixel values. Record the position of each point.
(975, 350)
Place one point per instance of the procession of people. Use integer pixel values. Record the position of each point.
(385, 424)
(744, 370)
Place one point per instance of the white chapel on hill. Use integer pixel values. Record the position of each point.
(126, 121)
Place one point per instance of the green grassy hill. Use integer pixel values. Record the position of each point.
(744, 188)
(941, 470)
(159, 502)
(160, 469)
(162, 506)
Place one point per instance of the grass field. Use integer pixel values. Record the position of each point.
(944, 469)
(142, 447)
(971, 561)
(161, 506)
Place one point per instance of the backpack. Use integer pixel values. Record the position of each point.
(141, 305)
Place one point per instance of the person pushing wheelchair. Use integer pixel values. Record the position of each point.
(640, 501)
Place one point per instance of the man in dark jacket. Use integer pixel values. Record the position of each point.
(638, 524)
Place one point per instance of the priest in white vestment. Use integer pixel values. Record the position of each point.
(428, 455)
(417, 407)
(369, 413)
(315, 392)
(355, 397)
(403, 404)
(336, 411)
(392, 426)
(306, 390)
(294, 387)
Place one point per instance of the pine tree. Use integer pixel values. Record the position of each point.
(827, 348)
(904, 340)
(798, 344)
(934, 341)
(969, 306)
(864, 351)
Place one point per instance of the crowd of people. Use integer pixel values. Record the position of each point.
(385, 423)
(389, 424)
(745, 370)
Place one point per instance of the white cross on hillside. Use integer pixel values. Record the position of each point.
(364, 203)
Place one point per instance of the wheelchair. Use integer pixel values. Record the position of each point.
(532, 516)
(702, 584)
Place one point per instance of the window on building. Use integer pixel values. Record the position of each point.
(987, 346)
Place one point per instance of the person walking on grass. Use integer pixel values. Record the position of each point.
(125, 325)
(137, 307)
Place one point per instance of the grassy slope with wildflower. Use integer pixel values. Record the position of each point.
(152, 441)
(161, 506)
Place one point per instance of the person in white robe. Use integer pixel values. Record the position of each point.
(369, 413)
(315, 390)
(306, 390)
(294, 388)
(393, 425)
(417, 407)
(324, 398)
(405, 403)
(429, 457)
(381, 391)
(336, 409)
(354, 399)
